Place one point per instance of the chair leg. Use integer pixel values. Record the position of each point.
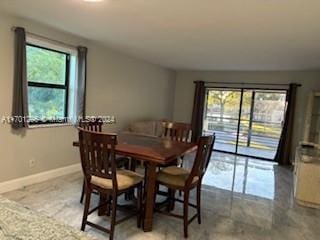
(139, 205)
(156, 190)
(199, 203)
(171, 196)
(113, 216)
(169, 200)
(185, 213)
(130, 195)
(86, 209)
(109, 199)
(82, 192)
(127, 165)
(133, 164)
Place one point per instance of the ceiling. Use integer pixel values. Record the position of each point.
(192, 34)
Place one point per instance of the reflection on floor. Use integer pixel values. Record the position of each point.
(241, 199)
(241, 175)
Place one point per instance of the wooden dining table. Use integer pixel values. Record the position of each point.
(154, 151)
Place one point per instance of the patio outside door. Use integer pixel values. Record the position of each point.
(247, 122)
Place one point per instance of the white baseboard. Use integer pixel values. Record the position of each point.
(37, 178)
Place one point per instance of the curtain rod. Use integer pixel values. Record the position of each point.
(48, 39)
(242, 83)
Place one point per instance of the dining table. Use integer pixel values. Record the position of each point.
(155, 152)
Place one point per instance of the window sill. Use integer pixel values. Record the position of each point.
(50, 125)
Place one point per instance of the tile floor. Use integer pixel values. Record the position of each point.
(242, 198)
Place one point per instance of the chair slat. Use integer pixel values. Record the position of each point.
(177, 131)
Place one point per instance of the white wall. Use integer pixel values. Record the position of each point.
(117, 85)
(184, 90)
(129, 89)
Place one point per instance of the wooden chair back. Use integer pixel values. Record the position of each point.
(177, 131)
(94, 125)
(202, 159)
(97, 151)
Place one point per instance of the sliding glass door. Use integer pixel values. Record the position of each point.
(246, 121)
(222, 117)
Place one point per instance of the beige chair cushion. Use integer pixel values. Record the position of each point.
(174, 176)
(125, 178)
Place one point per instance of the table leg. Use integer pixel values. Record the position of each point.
(150, 196)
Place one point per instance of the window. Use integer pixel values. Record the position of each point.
(49, 72)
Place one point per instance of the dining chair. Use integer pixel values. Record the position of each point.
(177, 131)
(99, 167)
(177, 178)
(95, 125)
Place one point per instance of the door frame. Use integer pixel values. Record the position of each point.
(241, 90)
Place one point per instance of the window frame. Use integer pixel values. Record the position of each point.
(53, 86)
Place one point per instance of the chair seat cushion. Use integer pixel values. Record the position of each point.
(174, 176)
(125, 179)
